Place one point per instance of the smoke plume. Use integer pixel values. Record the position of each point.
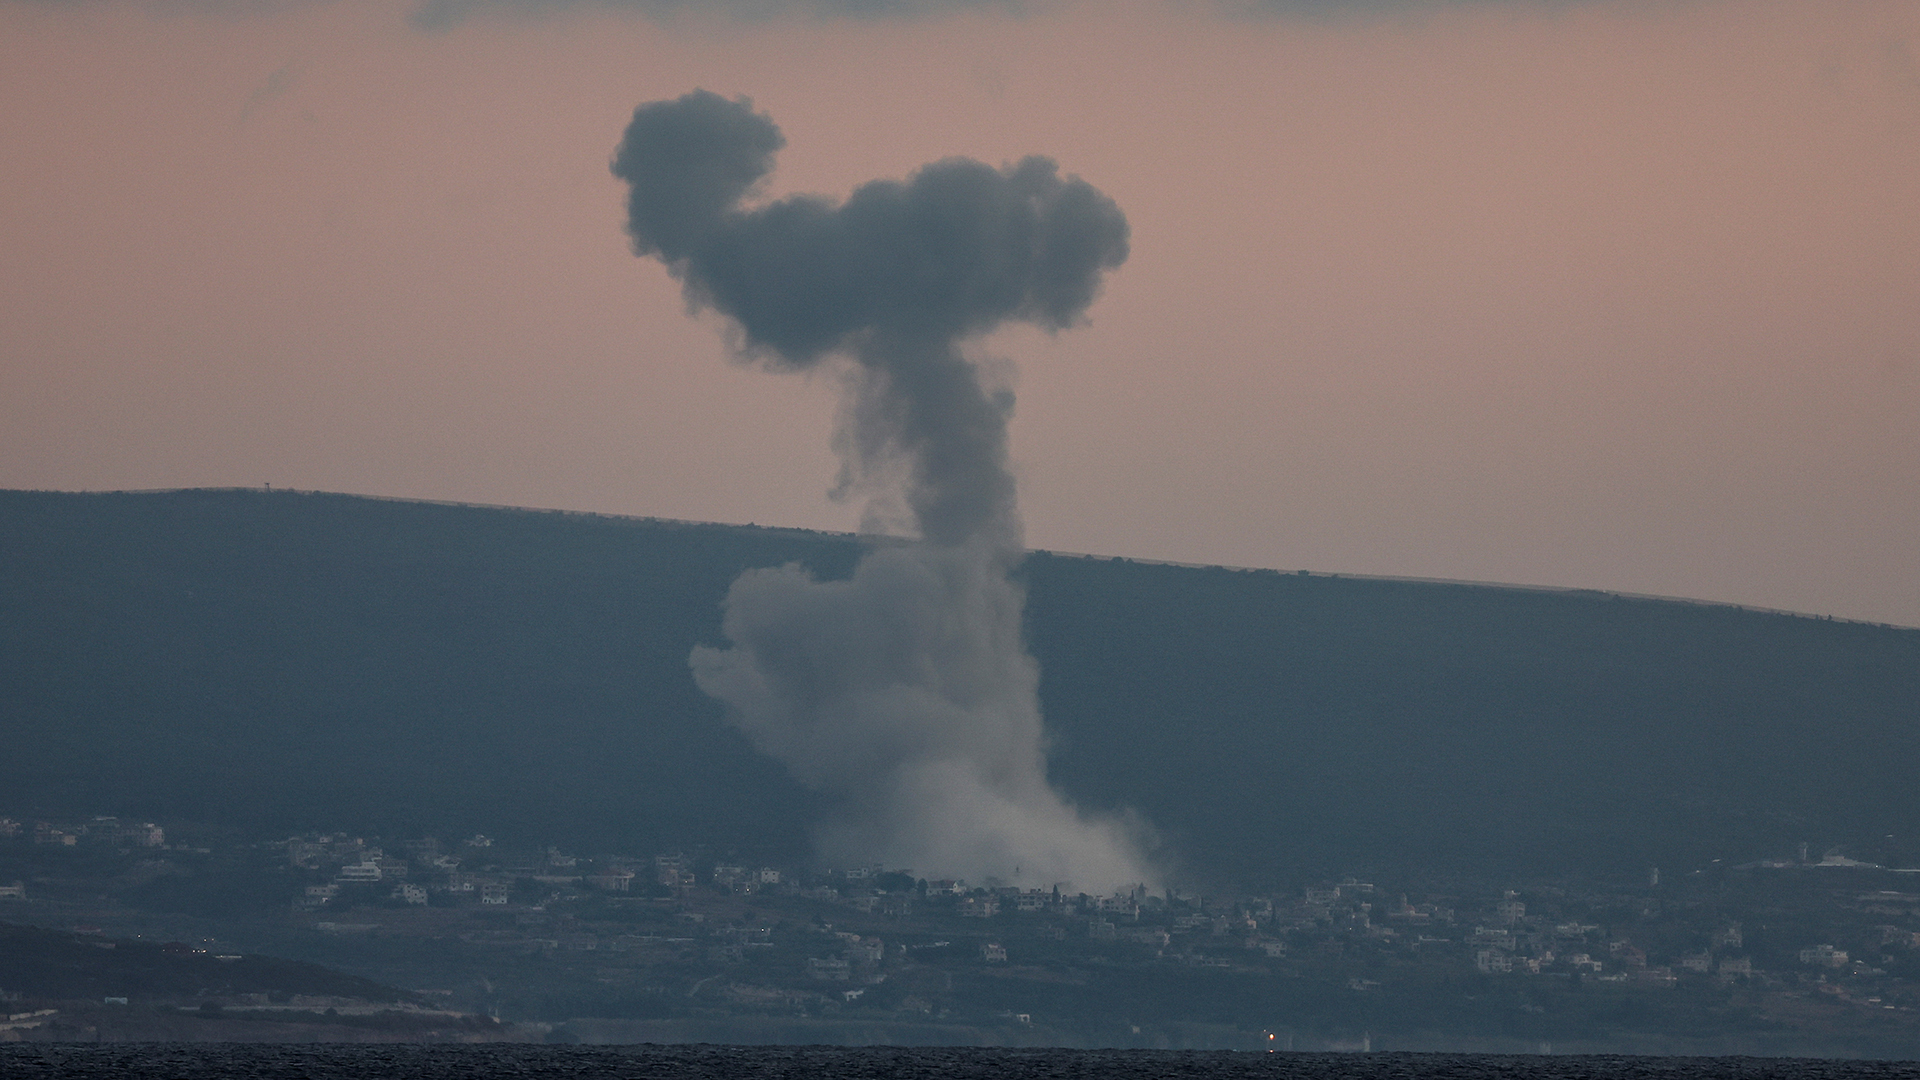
(904, 692)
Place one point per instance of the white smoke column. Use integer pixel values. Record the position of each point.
(905, 692)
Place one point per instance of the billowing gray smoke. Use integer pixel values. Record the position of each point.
(904, 692)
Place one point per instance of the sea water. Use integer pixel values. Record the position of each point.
(229, 1061)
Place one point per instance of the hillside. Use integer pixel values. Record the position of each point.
(284, 661)
(51, 964)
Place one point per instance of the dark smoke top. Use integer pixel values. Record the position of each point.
(896, 276)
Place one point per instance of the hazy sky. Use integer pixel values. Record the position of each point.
(1622, 295)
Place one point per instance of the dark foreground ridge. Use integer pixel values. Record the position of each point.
(828, 1063)
(277, 662)
(39, 963)
(63, 986)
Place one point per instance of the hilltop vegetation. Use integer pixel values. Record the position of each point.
(274, 662)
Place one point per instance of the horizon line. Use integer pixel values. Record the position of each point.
(266, 489)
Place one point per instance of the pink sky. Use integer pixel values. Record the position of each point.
(1608, 294)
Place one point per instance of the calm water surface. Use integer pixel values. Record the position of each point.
(207, 1061)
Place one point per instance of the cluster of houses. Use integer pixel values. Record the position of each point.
(1497, 935)
(101, 831)
(1502, 939)
(1505, 938)
(424, 866)
(421, 867)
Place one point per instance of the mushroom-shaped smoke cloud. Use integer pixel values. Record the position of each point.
(904, 692)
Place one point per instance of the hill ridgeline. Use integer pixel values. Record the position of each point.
(280, 661)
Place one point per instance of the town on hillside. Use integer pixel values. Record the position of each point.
(1812, 949)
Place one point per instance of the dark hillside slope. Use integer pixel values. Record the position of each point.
(42, 963)
(278, 661)
(1271, 719)
(319, 661)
